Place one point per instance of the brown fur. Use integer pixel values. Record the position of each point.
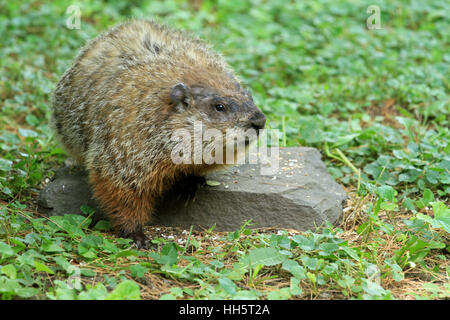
(114, 113)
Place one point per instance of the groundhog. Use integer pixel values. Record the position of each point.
(116, 107)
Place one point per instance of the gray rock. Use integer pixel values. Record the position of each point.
(68, 191)
(301, 195)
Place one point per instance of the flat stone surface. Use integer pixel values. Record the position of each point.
(300, 195)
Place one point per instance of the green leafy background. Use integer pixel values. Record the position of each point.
(374, 102)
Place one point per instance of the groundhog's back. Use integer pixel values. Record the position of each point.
(119, 86)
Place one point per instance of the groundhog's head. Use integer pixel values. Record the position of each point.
(227, 120)
(219, 111)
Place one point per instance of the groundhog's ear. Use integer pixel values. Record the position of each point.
(181, 96)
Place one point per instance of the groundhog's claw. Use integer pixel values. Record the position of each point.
(188, 187)
(139, 238)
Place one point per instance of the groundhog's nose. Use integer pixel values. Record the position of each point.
(258, 120)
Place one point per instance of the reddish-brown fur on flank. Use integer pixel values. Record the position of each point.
(128, 207)
(125, 207)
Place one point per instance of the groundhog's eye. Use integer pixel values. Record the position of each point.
(220, 107)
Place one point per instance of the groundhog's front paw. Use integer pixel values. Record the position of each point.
(188, 187)
(139, 238)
